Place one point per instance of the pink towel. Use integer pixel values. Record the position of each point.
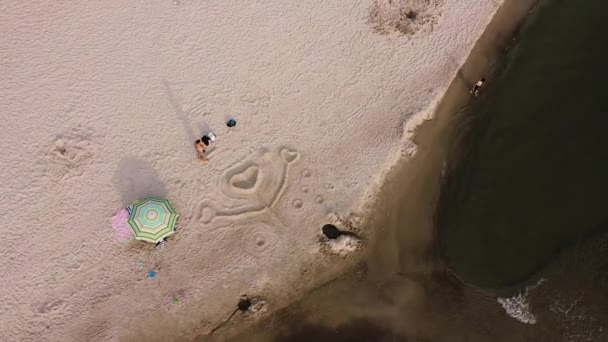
(120, 224)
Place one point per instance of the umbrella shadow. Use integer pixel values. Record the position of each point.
(135, 179)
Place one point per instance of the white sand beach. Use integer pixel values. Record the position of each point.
(101, 103)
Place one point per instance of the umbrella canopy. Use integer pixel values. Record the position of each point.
(152, 219)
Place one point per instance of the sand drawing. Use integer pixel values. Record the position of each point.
(318, 195)
(289, 155)
(206, 211)
(297, 203)
(244, 182)
(306, 175)
(258, 240)
(259, 180)
(237, 239)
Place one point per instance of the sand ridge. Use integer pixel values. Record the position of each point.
(101, 103)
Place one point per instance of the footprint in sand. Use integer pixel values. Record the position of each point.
(68, 156)
(49, 306)
(306, 173)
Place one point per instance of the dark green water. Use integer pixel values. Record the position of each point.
(530, 184)
(534, 175)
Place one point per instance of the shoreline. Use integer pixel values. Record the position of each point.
(481, 61)
(418, 176)
(325, 111)
(492, 64)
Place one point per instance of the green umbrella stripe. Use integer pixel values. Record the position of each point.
(152, 229)
(152, 219)
(154, 237)
(151, 216)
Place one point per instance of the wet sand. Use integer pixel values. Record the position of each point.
(399, 288)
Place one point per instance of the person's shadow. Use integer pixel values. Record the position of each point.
(135, 179)
(192, 133)
(460, 73)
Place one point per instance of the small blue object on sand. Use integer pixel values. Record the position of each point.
(151, 274)
(231, 123)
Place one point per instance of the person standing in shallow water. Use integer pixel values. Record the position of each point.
(477, 87)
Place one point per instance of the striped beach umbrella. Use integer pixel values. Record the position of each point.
(152, 219)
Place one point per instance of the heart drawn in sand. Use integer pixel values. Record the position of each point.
(246, 180)
(289, 155)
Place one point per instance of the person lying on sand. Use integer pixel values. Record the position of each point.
(200, 149)
(208, 139)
